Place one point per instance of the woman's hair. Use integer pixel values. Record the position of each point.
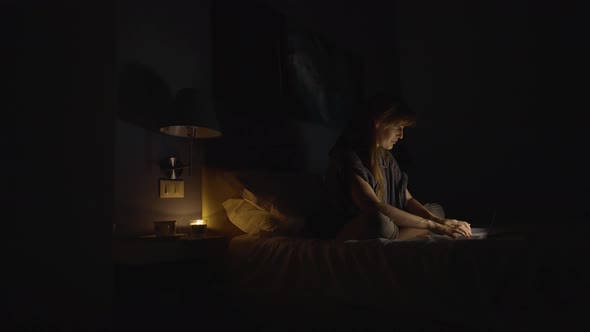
(386, 110)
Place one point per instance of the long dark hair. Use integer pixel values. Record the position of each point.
(361, 134)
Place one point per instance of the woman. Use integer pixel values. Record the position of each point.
(367, 191)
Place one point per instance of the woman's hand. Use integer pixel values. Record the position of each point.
(463, 225)
(453, 228)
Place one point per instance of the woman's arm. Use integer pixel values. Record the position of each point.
(365, 199)
(415, 207)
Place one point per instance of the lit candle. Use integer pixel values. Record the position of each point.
(198, 227)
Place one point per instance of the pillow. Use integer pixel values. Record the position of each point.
(254, 220)
(260, 202)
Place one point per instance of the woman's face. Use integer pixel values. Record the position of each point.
(388, 135)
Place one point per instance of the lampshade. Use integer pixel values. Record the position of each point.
(191, 116)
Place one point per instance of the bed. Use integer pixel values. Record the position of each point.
(374, 283)
(278, 277)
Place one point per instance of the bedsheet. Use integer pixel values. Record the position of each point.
(458, 283)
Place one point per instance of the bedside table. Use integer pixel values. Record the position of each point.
(152, 249)
(164, 283)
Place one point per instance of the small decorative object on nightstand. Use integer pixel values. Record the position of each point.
(198, 227)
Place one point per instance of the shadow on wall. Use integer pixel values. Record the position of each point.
(252, 141)
(275, 143)
(142, 96)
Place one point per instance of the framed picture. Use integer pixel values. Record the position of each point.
(321, 81)
(269, 65)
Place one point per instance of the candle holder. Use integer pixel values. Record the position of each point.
(198, 227)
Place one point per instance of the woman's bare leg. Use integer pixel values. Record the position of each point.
(409, 233)
(369, 226)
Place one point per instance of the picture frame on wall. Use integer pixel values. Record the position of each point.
(321, 81)
(272, 67)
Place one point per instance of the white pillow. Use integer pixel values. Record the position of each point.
(254, 220)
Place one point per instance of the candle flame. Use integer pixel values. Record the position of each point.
(198, 222)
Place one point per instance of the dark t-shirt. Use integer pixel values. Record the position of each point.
(343, 165)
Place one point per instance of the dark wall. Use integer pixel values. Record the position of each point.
(163, 46)
(61, 136)
(499, 88)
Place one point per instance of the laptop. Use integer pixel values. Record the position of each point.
(478, 233)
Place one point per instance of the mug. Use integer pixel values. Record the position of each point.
(165, 228)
